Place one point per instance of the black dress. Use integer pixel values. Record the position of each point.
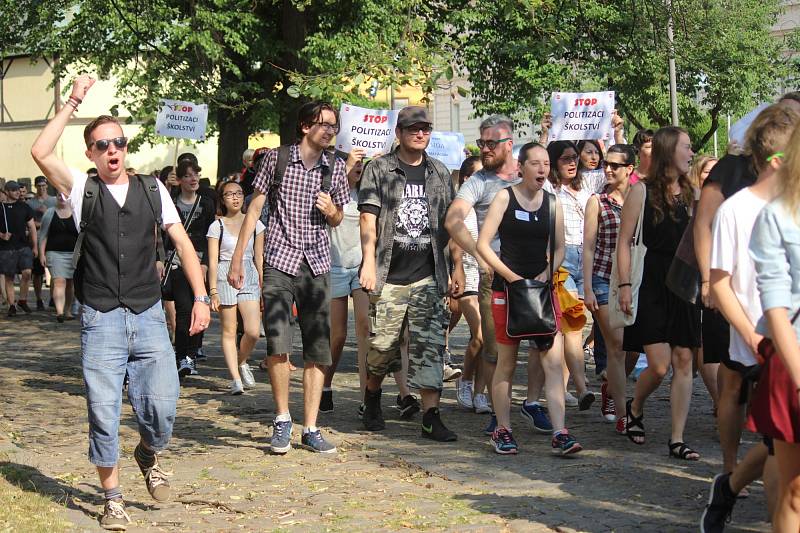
(662, 316)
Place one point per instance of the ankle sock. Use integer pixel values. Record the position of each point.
(309, 429)
(283, 417)
(114, 494)
(531, 403)
(146, 458)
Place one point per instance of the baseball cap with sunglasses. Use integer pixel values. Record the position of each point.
(103, 144)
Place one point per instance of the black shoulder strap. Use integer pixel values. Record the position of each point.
(551, 204)
(221, 231)
(284, 153)
(153, 196)
(327, 174)
(91, 190)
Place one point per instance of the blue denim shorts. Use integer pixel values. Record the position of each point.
(344, 281)
(600, 289)
(573, 262)
(111, 344)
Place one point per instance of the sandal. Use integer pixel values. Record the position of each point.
(633, 424)
(680, 450)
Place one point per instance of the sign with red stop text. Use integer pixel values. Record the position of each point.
(370, 129)
(182, 120)
(579, 116)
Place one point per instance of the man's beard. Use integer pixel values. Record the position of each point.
(493, 164)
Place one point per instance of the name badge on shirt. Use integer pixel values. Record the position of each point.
(522, 215)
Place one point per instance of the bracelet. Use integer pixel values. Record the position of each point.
(73, 103)
(624, 285)
(212, 291)
(703, 282)
(76, 98)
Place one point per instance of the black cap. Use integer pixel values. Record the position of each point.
(12, 185)
(411, 115)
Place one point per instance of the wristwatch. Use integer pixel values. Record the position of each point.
(203, 299)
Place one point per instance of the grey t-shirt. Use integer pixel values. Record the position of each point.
(479, 191)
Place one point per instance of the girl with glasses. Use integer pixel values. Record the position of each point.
(223, 235)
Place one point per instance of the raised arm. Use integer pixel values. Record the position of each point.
(43, 149)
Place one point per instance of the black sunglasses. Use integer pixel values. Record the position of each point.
(617, 166)
(103, 144)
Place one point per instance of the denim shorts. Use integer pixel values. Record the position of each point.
(573, 262)
(600, 289)
(344, 281)
(120, 341)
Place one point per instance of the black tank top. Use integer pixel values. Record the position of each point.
(523, 239)
(62, 234)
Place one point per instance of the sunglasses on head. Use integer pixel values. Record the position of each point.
(103, 144)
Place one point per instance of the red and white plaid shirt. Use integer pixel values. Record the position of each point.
(607, 231)
(298, 230)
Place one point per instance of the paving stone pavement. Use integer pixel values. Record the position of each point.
(225, 480)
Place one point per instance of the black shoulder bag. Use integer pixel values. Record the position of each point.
(530, 309)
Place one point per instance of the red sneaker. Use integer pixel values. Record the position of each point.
(607, 405)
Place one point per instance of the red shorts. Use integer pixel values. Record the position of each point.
(499, 306)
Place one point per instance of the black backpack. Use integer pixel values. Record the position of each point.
(90, 194)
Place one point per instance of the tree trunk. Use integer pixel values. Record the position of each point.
(294, 29)
(233, 134)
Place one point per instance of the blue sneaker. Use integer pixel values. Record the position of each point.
(491, 427)
(537, 416)
(504, 442)
(314, 441)
(565, 444)
(281, 440)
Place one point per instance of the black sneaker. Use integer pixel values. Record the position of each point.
(12, 311)
(408, 406)
(186, 367)
(434, 429)
(326, 402)
(373, 417)
(720, 505)
(24, 306)
(52, 304)
(39, 305)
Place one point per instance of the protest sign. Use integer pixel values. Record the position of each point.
(447, 147)
(370, 129)
(182, 120)
(579, 116)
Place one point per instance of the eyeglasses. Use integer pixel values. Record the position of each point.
(776, 155)
(103, 144)
(491, 145)
(327, 126)
(568, 159)
(237, 194)
(616, 166)
(414, 130)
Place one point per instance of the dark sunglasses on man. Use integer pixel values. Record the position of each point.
(103, 144)
(491, 145)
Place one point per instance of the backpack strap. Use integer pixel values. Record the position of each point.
(327, 174)
(90, 192)
(154, 200)
(284, 153)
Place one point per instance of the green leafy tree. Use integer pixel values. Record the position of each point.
(253, 61)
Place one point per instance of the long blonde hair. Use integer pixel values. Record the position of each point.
(696, 171)
(789, 175)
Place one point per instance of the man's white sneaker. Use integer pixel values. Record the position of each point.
(236, 387)
(248, 380)
(570, 400)
(481, 404)
(464, 393)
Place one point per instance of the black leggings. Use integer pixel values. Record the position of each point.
(185, 345)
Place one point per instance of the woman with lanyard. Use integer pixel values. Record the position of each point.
(600, 242)
(521, 216)
(222, 237)
(572, 193)
(666, 327)
(57, 238)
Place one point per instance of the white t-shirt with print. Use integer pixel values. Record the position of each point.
(733, 225)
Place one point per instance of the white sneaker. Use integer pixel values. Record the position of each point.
(464, 393)
(481, 404)
(248, 379)
(570, 400)
(451, 373)
(236, 387)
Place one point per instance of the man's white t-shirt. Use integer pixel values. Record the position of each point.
(733, 225)
(169, 214)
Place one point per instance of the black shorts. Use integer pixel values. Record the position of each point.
(312, 296)
(13, 262)
(716, 333)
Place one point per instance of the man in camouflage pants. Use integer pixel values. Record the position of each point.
(404, 198)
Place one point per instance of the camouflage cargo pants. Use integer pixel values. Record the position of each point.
(423, 310)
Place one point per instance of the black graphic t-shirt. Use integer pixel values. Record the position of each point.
(412, 253)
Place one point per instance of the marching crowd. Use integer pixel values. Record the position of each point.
(693, 262)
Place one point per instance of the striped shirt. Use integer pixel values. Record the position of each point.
(607, 231)
(298, 231)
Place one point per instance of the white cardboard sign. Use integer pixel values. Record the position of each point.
(370, 129)
(182, 120)
(447, 147)
(579, 116)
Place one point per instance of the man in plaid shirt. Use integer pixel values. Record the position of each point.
(297, 265)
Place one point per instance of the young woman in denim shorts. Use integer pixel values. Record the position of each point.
(601, 227)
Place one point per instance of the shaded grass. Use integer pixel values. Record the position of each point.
(24, 509)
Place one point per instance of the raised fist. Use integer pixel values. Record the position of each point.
(81, 86)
